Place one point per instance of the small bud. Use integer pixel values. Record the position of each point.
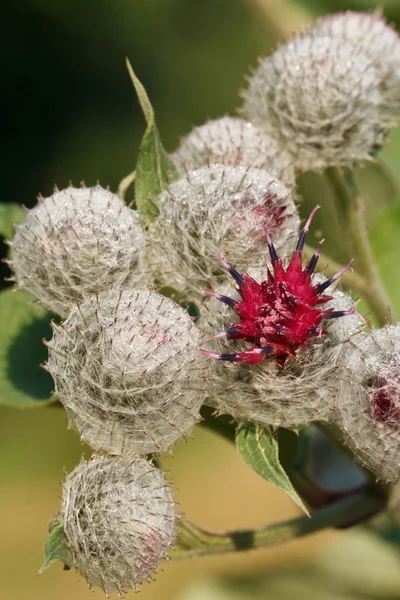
(125, 367)
(120, 521)
(369, 401)
(218, 207)
(232, 141)
(77, 242)
(322, 98)
(370, 33)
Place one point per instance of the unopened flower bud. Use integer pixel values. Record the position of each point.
(213, 208)
(232, 141)
(125, 366)
(370, 33)
(76, 242)
(120, 521)
(369, 401)
(322, 97)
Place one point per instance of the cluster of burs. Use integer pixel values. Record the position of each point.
(125, 358)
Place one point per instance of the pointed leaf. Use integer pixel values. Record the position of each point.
(153, 168)
(258, 446)
(56, 547)
(10, 214)
(23, 384)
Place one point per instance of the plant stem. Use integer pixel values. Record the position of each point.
(195, 541)
(353, 207)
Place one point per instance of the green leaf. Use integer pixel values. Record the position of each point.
(153, 168)
(259, 448)
(10, 214)
(23, 384)
(56, 547)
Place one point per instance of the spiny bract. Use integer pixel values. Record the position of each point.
(378, 41)
(322, 98)
(232, 141)
(126, 367)
(369, 401)
(119, 519)
(76, 242)
(214, 207)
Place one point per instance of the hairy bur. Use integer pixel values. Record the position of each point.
(375, 38)
(119, 519)
(218, 207)
(233, 141)
(369, 401)
(322, 97)
(126, 368)
(77, 242)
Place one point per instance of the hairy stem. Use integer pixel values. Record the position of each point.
(353, 207)
(195, 541)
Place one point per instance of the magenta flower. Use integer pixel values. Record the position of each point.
(282, 313)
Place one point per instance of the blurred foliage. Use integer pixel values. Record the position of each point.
(23, 383)
(358, 567)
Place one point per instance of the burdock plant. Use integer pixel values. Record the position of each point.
(204, 298)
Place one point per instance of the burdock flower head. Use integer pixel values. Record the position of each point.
(233, 141)
(126, 367)
(323, 98)
(282, 313)
(119, 521)
(369, 401)
(213, 207)
(76, 242)
(377, 40)
(289, 320)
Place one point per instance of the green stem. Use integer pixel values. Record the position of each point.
(195, 541)
(353, 207)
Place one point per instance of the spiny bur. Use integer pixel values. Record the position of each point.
(378, 41)
(76, 242)
(119, 520)
(233, 141)
(214, 207)
(322, 97)
(369, 401)
(126, 368)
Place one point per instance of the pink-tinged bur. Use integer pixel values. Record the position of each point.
(283, 312)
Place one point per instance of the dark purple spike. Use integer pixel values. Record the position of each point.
(314, 259)
(303, 235)
(325, 284)
(235, 274)
(334, 314)
(225, 299)
(272, 252)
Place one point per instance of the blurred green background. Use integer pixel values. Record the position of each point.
(70, 113)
